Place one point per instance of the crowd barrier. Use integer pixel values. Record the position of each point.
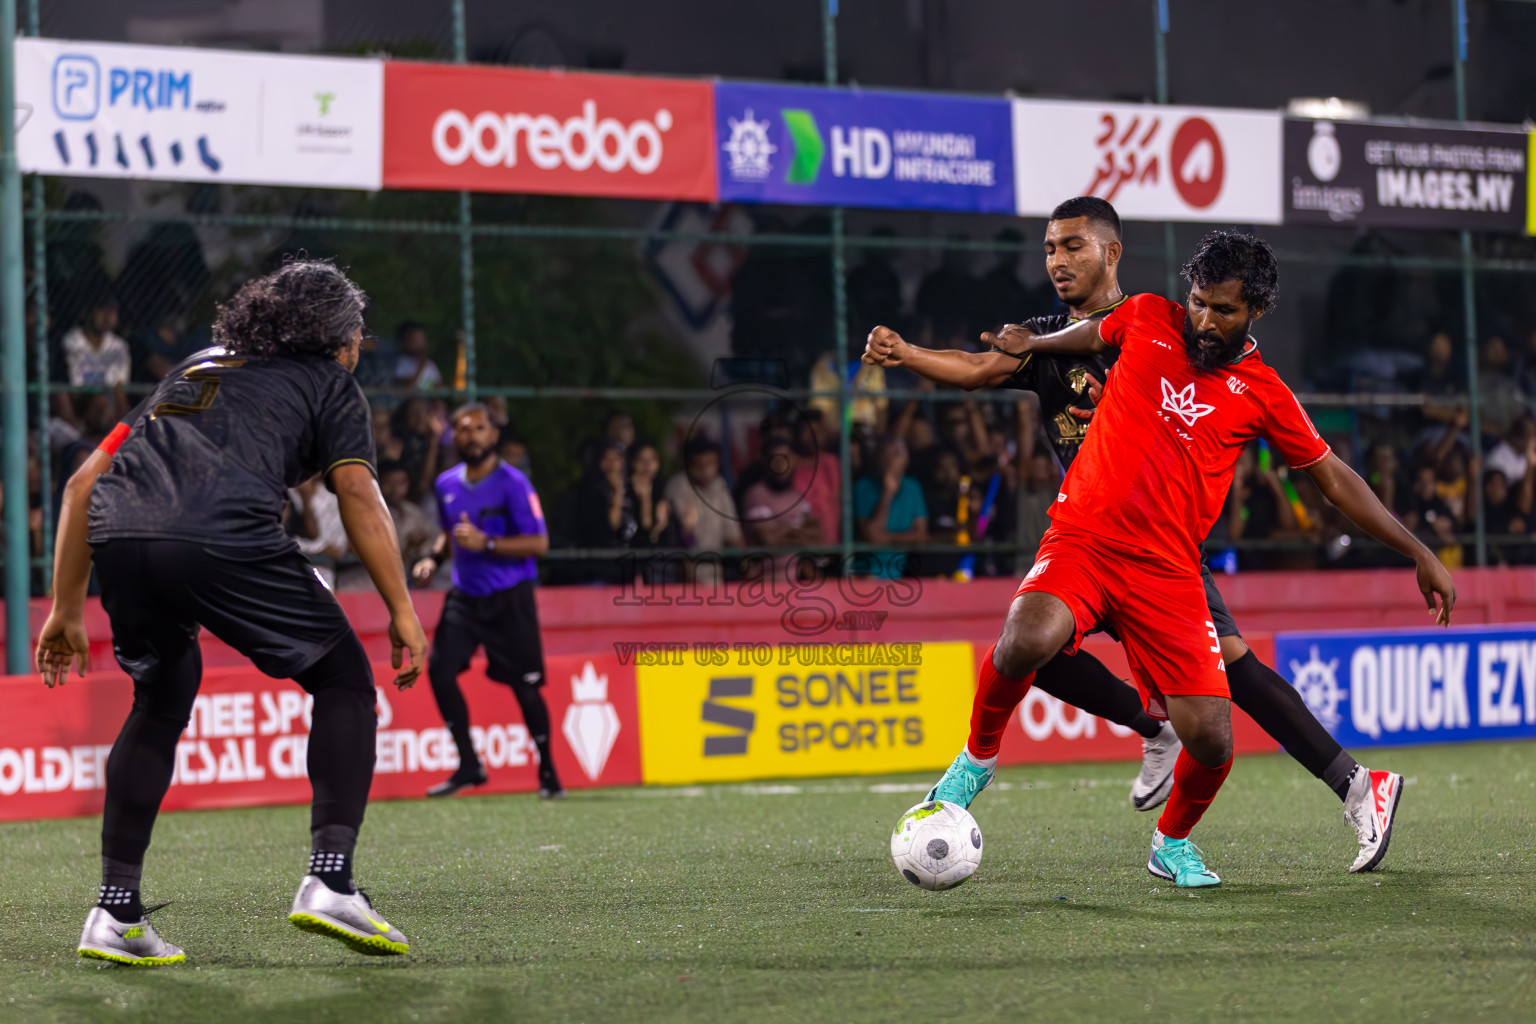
(642, 691)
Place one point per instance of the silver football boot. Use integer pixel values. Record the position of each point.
(348, 918)
(133, 943)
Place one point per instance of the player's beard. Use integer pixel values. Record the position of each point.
(1217, 355)
(474, 455)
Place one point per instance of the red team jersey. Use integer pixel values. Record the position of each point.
(1157, 464)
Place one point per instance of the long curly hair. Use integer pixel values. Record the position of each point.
(306, 309)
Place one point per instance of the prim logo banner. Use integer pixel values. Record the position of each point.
(811, 709)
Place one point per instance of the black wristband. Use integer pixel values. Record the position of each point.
(437, 559)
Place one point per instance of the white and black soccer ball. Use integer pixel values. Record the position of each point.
(936, 845)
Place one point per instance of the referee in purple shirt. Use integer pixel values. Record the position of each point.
(492, 514)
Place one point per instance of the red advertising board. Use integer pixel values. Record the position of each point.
(248, 737)
(508, 130)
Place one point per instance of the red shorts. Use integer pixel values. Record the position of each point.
(1159, 611)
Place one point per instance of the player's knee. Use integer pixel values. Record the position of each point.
(1210, 743)
(1017, 654)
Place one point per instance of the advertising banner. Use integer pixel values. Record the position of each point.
(104, 110)
(248, 738)
(510, 130)
(1416, 686)
(1374, 175)
(1151, 162)
(840, 147)
(721, 713)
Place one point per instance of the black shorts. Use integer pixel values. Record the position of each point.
(270, 606)
(1220, 617)
(505, 623)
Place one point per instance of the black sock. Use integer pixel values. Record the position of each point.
(332, 868)
(1265, 696)
(123, 904)
(1084, 681)
(548, 777)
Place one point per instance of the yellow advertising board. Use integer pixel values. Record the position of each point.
(721, 713)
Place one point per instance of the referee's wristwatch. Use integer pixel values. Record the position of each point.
(490, 545)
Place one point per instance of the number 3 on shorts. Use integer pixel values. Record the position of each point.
(1210, 631)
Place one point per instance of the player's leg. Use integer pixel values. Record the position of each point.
(275, 609)
(1053, 607)
(1370, 797)
(159, 651)
(516, 655)
(340, 763)
(1085, 682)
(1160, 614)
(453, 644)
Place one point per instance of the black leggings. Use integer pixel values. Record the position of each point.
(341, 740)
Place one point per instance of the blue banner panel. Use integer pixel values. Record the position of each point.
(1416, 686)
(805, 146)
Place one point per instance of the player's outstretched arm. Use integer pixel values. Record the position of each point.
(372, 533)
(63, 638)
(968, 370)
(1080, 339)
(1351, 495)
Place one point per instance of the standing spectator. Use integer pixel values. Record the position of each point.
(95, 357)
(421, 426)
(775, 512)
(705, 510)
(417, 534)
(889, 508)
(493, 520)
(413, 367)
(652, 512)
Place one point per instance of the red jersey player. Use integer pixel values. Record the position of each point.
(1190, 390)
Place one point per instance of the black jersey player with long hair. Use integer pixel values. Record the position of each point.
(180, 510)
(1082, 253)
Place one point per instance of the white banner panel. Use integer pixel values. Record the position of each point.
(1151, 162)
(111, 111)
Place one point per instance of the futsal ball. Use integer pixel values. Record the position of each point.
(936, 845)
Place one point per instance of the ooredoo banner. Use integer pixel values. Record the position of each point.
(847, 147)
(105, 110)
(1405, 176)
(1395, 687)
(249, 735)
(510, 130)
(1151, 162)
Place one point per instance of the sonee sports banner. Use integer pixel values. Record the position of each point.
(1395, 687)
(840, 147)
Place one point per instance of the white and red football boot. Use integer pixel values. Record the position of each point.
(1370, 809)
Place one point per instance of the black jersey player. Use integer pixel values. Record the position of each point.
(1082, 250)
(181, 512)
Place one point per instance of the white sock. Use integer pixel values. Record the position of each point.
(981, 763)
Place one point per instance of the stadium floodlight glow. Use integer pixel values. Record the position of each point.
(1330, 108)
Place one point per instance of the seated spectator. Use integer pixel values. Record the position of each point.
(1506, 513)
(157, 349)
(819, 476)
(386, 442)
(1382, 475)
(889, 508)
(604, 518)
(1428, 516)
(318, 528)
(941, 496)
(416, 530)
(1441, 377)
(94, 356)
(378, 360)
(619, 426)
(774, 511)
(652, 512)
(413, 367)
(1498, 395)
(1513, 455)
(1036, 496)
(421, 426)
(514, 452)
(706, 512)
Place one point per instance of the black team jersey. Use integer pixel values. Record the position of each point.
(209, 457)
(1061, 382)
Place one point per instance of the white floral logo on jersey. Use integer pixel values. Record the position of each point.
(1183, 404)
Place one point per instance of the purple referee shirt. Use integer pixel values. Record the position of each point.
(503, 504)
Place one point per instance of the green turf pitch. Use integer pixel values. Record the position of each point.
(779, 903)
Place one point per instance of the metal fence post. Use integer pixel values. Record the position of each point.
(466, 230)
(39, 298)
(13, 365)
(840, 310)
(1160, 41)
(1469, 302)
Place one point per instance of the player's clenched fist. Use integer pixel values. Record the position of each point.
(884, 347)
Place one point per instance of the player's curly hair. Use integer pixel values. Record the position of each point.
(306, 309)
(1232, 255)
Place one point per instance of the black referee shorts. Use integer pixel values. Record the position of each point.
(270, 606)
(1221, 618)
(505, 623)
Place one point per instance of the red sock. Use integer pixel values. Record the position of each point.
(1194, 787)
(996, 697)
